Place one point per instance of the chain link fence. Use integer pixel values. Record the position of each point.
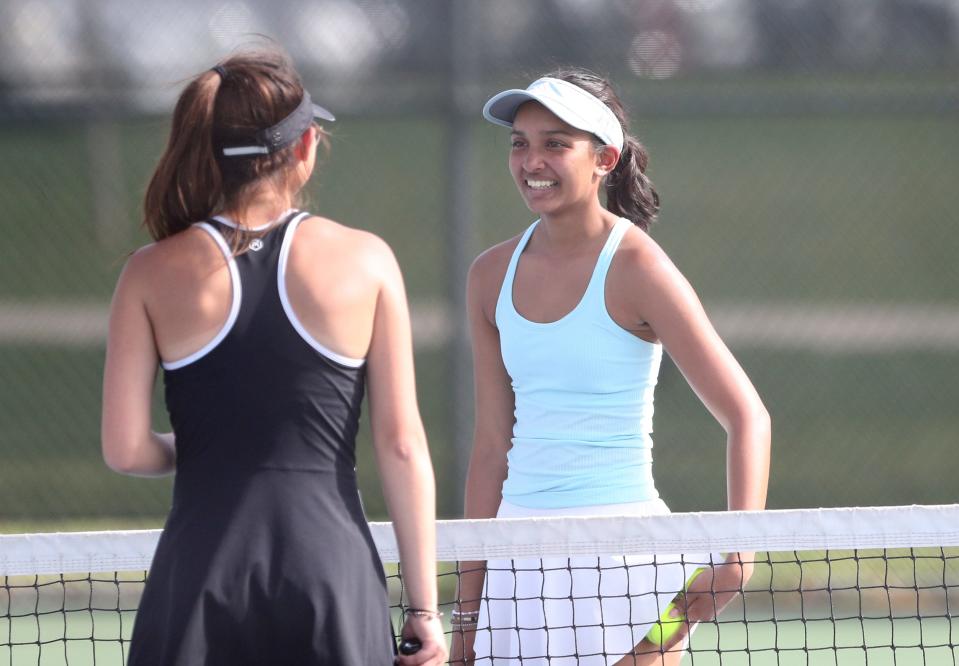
(805, 152)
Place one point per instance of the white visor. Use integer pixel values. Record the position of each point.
(569, 102)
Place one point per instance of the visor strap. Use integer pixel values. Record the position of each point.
(280, 135)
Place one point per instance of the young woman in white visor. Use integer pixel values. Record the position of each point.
(569, 320)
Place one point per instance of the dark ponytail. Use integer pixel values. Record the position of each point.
(193, 179)
(185, 186)
(629, 191)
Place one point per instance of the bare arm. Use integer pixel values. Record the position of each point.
(674, 312)
(129, 445)
(403, 457)
(494, 404)
(494, 401)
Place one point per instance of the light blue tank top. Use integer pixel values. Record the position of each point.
(583, 391)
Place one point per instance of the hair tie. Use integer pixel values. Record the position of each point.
(219, 69)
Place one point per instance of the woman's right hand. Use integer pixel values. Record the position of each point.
(711, 592)
(461, 651)
(429, 632)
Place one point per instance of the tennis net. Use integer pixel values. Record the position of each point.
(850, 586)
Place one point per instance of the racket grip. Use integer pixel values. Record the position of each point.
(663, 630)
(410, 646)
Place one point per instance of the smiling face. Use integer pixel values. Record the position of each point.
(555, 166)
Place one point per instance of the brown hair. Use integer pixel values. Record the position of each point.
(193, 180)
(629, 191)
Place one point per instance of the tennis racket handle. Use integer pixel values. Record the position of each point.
(410, 646)
(667, 625)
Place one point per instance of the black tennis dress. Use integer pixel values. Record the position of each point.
(266, 557)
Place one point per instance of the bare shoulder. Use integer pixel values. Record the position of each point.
(169, 270)
(638, 249)
(639, 257)
(645, 290)
(486, 275)
(191, 247)
(135, 275)
(188, 245)
(322, 236)
(152, 257)
(143, 261)
(489, 268)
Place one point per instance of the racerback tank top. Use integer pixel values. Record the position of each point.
(583, 390)
(263, 393)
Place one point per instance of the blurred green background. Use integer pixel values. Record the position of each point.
(811, 203)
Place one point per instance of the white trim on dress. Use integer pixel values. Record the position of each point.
(234, 306)
(288, 307)
(230, 223)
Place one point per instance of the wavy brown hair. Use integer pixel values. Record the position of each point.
(193, 179)
(629, 191)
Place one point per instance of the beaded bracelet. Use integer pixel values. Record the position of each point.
(423, 613)
(464, 615)
(464, 620)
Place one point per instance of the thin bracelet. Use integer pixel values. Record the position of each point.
(423, 613)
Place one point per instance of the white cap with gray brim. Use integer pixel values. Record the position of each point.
(571, 104)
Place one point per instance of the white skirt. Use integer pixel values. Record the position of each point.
(579, 611)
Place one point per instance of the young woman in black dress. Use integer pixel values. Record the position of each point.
(270, 324)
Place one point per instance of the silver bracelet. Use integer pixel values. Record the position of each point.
(423, 613)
